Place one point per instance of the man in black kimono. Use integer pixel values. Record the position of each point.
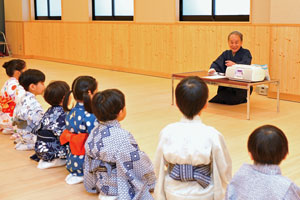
(236, 55)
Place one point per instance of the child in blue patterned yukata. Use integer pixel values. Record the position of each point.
(79, 123)
(11, 92)
(267, 146)
(115, 167)
(28, 111)
(48, 149)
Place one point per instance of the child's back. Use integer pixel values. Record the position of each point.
(28, 111)
(198, 163)
(114, 165)
(48, 150)
(261, 182)
(79, 123)
(11, 92)
(268, 146)
(190, 142)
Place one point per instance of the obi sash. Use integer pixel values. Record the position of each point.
(95, 165)
(76, 141)
(21, 124)
(199, 173)
(7, 105)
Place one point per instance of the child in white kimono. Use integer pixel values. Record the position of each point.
(192, 161)
(267, 146)
(28, 111)
(10, 93)
(115, 167)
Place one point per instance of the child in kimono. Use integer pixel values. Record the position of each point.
(48, 150)
(79, 123)
(115, 167)
(192, 161)
(28, 111)
(267, 146)
(10, 93)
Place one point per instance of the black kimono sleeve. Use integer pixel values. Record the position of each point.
(219, 63)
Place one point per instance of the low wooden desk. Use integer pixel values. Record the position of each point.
(228, 83)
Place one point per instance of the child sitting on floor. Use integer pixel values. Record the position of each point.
(48, 150)
(11, 92)
(267, 146)
(79, 123)
(192, 161)
(114, 164)
(28, 111)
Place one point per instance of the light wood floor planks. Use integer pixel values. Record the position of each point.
(148, 101)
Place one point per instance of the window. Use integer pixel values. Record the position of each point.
(113, 10)
(214, 10)
(47, 9)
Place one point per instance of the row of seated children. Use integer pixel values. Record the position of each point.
(191, 162)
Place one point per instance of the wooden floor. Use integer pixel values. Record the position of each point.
(148, 101)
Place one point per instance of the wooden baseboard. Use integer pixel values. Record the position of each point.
(21, 56)
(284, 96)
(114, 68)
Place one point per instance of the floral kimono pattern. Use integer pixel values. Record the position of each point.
(27, 116)
(78, 121)
(115, 166)
(47, 146)
(11, 92)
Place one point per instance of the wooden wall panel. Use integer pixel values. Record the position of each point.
(15, 37)
(285, 58)
(149, 48)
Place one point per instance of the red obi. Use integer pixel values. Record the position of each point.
(7, 105)
(76, 141)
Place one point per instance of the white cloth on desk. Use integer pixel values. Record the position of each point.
(191, 142)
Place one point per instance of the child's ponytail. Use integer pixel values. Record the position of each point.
(87, 102)
(13, 65)
(66, 101)
(81, 87)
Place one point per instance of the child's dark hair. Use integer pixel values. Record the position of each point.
(268, 145)
(31, 76)
(191, 96)
(55, 92)
(80, 89)
(14, 65)
(107, 104)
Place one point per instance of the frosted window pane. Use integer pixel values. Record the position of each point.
(41, 8)
(124, 7)
(103, 8)
(232, 7)
(197, 7)
(55, 7)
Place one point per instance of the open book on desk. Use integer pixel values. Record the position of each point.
(215, 76)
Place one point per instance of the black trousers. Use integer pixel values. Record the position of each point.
(230, 96)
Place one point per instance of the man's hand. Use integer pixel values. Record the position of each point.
(229, 63)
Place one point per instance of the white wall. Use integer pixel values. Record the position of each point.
(75, 10)
(260, 11)
(285, 12)
(13, 10)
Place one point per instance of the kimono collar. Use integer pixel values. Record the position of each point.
(79, 105)
(29, 94)
(13, 78)
(266, 169)
(196, 119)
(114, 123)
(237, 51)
